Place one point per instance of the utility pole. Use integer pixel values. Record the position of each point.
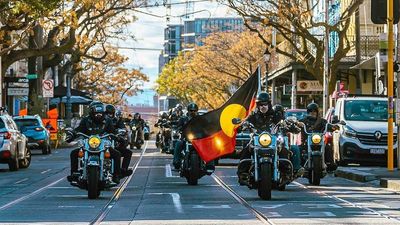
(398, 97)
(326, 61)
(390, 84)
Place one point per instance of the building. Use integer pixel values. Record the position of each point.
(197, 29)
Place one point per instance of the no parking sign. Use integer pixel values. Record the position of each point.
(48, 88)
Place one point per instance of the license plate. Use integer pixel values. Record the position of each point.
(377, 151)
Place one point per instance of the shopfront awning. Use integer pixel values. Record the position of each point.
(368, 64)
(74, 100)
(61, 91)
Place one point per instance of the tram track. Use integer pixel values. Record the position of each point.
(117, 194)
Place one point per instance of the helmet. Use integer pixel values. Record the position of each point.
(97, 112)
(179, 106)
(262, 97)
(110, 110)
(95, 103)
(164, 115)
(312, 107)
(136, 116)
(279, 112)
(118, 114)
(192, 107)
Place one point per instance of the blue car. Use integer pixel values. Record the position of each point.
(38, 136)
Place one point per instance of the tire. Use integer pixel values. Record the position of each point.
(93, 182)
(194, 170)
(316, 172)
(282, 187)
(48, 149)
(138, 146)
(24, 163)
(13, 164)
(146, 137)
(45, 150)
(265, 183)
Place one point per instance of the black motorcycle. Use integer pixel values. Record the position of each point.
(136, 139)
(95, 167)
(193, 167)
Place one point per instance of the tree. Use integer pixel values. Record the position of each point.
(107, 80)
(296, 23)
(211, 73)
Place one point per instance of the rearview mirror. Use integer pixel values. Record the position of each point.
(236, 121)
(335, 119)
(342, 122)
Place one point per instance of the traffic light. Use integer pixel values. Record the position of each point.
(379, 11)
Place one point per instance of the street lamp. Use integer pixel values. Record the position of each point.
(68, 105)
(267, 58)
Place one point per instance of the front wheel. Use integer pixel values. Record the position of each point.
(93, 182)
(24, 163)
(316, 171)
(265, 183)
(194, 170)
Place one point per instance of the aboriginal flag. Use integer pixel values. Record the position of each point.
(213, 134)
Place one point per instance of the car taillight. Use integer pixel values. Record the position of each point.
(6, 154)
(6, 135)
(38, 129)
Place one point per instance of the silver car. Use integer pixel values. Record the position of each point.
(13, 147)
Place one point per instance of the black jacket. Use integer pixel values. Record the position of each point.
(90, 127)
(261, 121)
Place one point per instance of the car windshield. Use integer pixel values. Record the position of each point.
(27, 123)
(299, 114)
(366, 110)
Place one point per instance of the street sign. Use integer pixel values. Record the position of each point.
(48, 88)
(17, 91)
(31, 76)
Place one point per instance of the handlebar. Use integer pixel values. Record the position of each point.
(326, 128)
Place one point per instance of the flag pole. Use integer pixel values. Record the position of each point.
(259, 78)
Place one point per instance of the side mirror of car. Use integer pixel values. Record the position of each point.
(236, 121)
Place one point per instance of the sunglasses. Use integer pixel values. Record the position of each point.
(263, 105)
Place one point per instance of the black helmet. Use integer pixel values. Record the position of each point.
(110, 110)
(164, 115)
(95, 103)
(179, 106)
(136, 116)
(312, 107)
(118, 114)
(262, 97)
(97, 111)
(279, 108)
(192, 107)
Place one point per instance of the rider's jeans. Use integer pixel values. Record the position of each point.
(296, 157)
(177, 152)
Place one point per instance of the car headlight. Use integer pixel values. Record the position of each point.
(94, 142)
(264, 140)
(349, 132)
(316, 138)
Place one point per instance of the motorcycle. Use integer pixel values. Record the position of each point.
(192, 166)
(164, 137)
(175, 136)
(269, 167)
(314, 156)
(95, 167)
(146, 132)
(136, 140)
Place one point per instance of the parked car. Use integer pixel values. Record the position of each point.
(38, 136)
(363, 134)
(13, 145)
(298, 113)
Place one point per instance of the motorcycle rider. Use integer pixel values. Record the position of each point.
(94, 124)
(315, 123)
(262, 119)
(179, 110)
(121, 144)
(139, 122)
(192, 111)
(161, 123)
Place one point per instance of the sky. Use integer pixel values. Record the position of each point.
(149, 33)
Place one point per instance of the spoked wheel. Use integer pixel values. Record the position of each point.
(24, 163)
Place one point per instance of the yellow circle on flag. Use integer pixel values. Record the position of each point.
(230, 112)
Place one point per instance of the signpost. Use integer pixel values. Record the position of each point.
(48, 90)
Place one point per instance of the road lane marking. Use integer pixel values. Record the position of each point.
(315, 214)
(176, 199)
(322, 206)
(30, 195)
(168, 171)
(43, 172)
(272, 206)
(211, 207)
(20, 181)
(356, 205)
(76, 206)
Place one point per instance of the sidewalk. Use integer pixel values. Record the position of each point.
(366, 174)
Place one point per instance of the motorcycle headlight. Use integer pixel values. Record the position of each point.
(133, 128)
(264, 140)
(316, 138)
(94, 142)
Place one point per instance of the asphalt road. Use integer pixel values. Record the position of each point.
(157, 195)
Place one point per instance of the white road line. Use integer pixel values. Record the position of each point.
(176, 199)
(30, 195)
(43, 172)
(76, 206)
(168, 171)
(20, 181)
(355, 205)
(211, 207)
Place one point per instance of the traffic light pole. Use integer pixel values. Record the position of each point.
(390, 164)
